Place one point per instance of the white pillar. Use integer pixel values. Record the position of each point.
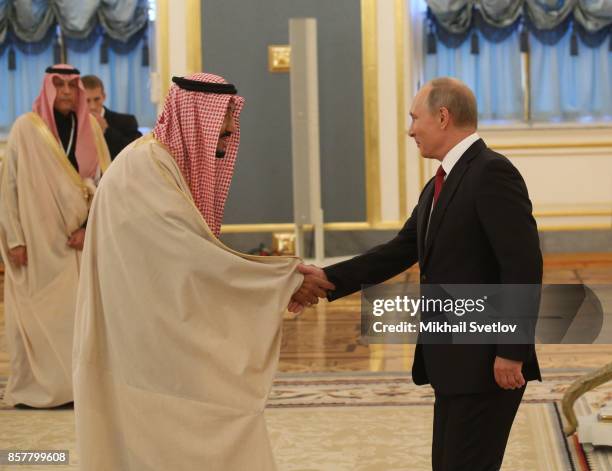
(305, 133)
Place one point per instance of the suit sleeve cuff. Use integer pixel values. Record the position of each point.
(515, 352)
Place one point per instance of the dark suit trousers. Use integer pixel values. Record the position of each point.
(471, 430)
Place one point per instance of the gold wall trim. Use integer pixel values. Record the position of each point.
(369, 46)
(246, 228)
(421, 171)
(289, 227)
(194, 35)
(386, 226)
(396, 225)
(573, 213)
(162, 20)
(551, 145)
(347, 226)
(577, 227)
(400, 51)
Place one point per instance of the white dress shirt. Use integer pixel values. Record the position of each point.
(453, 156)
(449, 161)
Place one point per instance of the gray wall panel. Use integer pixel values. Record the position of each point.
(236, 35)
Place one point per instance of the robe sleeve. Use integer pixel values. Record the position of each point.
(9, 196)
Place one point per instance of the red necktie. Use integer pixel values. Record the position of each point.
(440, 174)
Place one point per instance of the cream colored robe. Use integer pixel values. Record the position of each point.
(177, 337)
(42, 201)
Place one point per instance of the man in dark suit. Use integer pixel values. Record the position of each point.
(472, 225)
(119, 129)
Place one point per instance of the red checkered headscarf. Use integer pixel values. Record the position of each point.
(85, 151)
(189, 126)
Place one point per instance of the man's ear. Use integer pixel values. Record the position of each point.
(444, 118)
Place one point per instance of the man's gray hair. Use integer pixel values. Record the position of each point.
(457, 98)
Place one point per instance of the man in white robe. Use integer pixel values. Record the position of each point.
(177, 337)
(53, 156)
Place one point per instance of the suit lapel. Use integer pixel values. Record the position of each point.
(448, 191)
(423, 216)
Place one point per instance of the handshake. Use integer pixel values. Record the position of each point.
(314, 286)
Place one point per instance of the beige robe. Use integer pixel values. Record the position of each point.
(177, 337)
(42, 201)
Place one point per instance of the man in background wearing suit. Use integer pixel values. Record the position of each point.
(119, 129)
(472, 225)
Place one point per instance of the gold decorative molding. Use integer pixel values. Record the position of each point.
(579, 387)
(283, 243)
(193, 40)
(279, 58)
(369, 44)
(285, 227)
(163, 41)
(347, 226)
(573, 213)
(550, 145)
(252, 228)
(400, 51)
(396, 225)
(194, 36)
(385, 226)
(576, 227)
(421, 171)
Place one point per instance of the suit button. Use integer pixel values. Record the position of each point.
(423, 278)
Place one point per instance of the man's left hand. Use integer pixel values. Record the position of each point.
(101, 121)
(77, 239)
(508, 374)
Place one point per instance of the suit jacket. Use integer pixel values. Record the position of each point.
(122, 129)
(481, 232)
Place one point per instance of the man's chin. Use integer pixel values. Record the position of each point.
(63, 110)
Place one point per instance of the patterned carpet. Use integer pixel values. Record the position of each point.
(536, 442)
(363, 421)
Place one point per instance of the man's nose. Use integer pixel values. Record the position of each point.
(231, 124)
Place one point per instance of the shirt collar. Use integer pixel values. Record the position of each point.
(453, 156)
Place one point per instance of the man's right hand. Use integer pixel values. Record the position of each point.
(315, 286)
(19, 256)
